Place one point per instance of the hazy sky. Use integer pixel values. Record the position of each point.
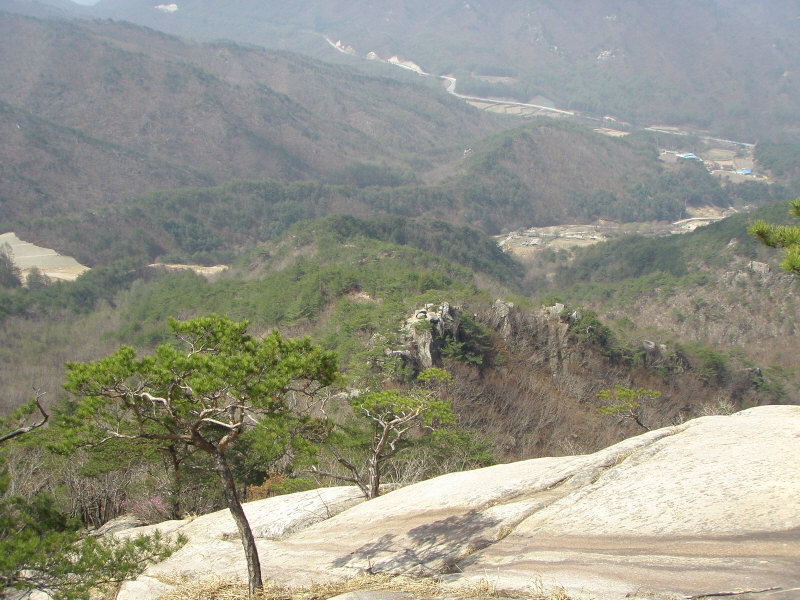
(86, 2)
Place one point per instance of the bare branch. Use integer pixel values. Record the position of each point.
(227, 426)
(349, 478)
(29, 428)
(354, 479)
(229, 437)
(153, 399)
(342, 459)
(114, 435)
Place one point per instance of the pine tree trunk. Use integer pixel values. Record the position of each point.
(374, 470)
(237, 512)
(177, 484)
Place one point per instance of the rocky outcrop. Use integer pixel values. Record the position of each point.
(423, 335)
(709, 506)
(758, 267)
(500, 318)
(541, 335)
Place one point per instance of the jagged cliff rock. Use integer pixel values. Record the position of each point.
(534, 388)
(542, 335)
(709, 506)
(423, 335)
(536, 395)
(539, 397)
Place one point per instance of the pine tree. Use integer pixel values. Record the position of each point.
(392, 417)
(203, 391)
(782, 236)
(9, 272)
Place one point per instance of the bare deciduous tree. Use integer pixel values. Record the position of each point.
(33, 406)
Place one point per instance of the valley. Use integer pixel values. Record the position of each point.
(558, 185)
(527, 244)
(722, 157)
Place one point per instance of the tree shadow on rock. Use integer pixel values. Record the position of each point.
(435, 547)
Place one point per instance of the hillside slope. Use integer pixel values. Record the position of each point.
(49, 170)
(348, 282)
(101, 119)
(552, 172)
(173, 112)
(715, 286)
(536, 175)
(525, 376)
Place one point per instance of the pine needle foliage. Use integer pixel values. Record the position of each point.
(42, 549)
(627, 403)
(782, 236)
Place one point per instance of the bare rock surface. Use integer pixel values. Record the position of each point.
(711, 505)
(214, 546)
(27, 256)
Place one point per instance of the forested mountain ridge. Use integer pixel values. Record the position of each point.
(726, 66)
(716, 286)
(350, 283)
(540, 175)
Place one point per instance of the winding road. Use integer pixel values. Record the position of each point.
(451, 89)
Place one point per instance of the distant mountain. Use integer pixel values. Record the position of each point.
(94, 113)
(727, 66)
(123, 141)
(543, 174)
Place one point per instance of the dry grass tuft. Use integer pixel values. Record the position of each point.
(422, 588)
